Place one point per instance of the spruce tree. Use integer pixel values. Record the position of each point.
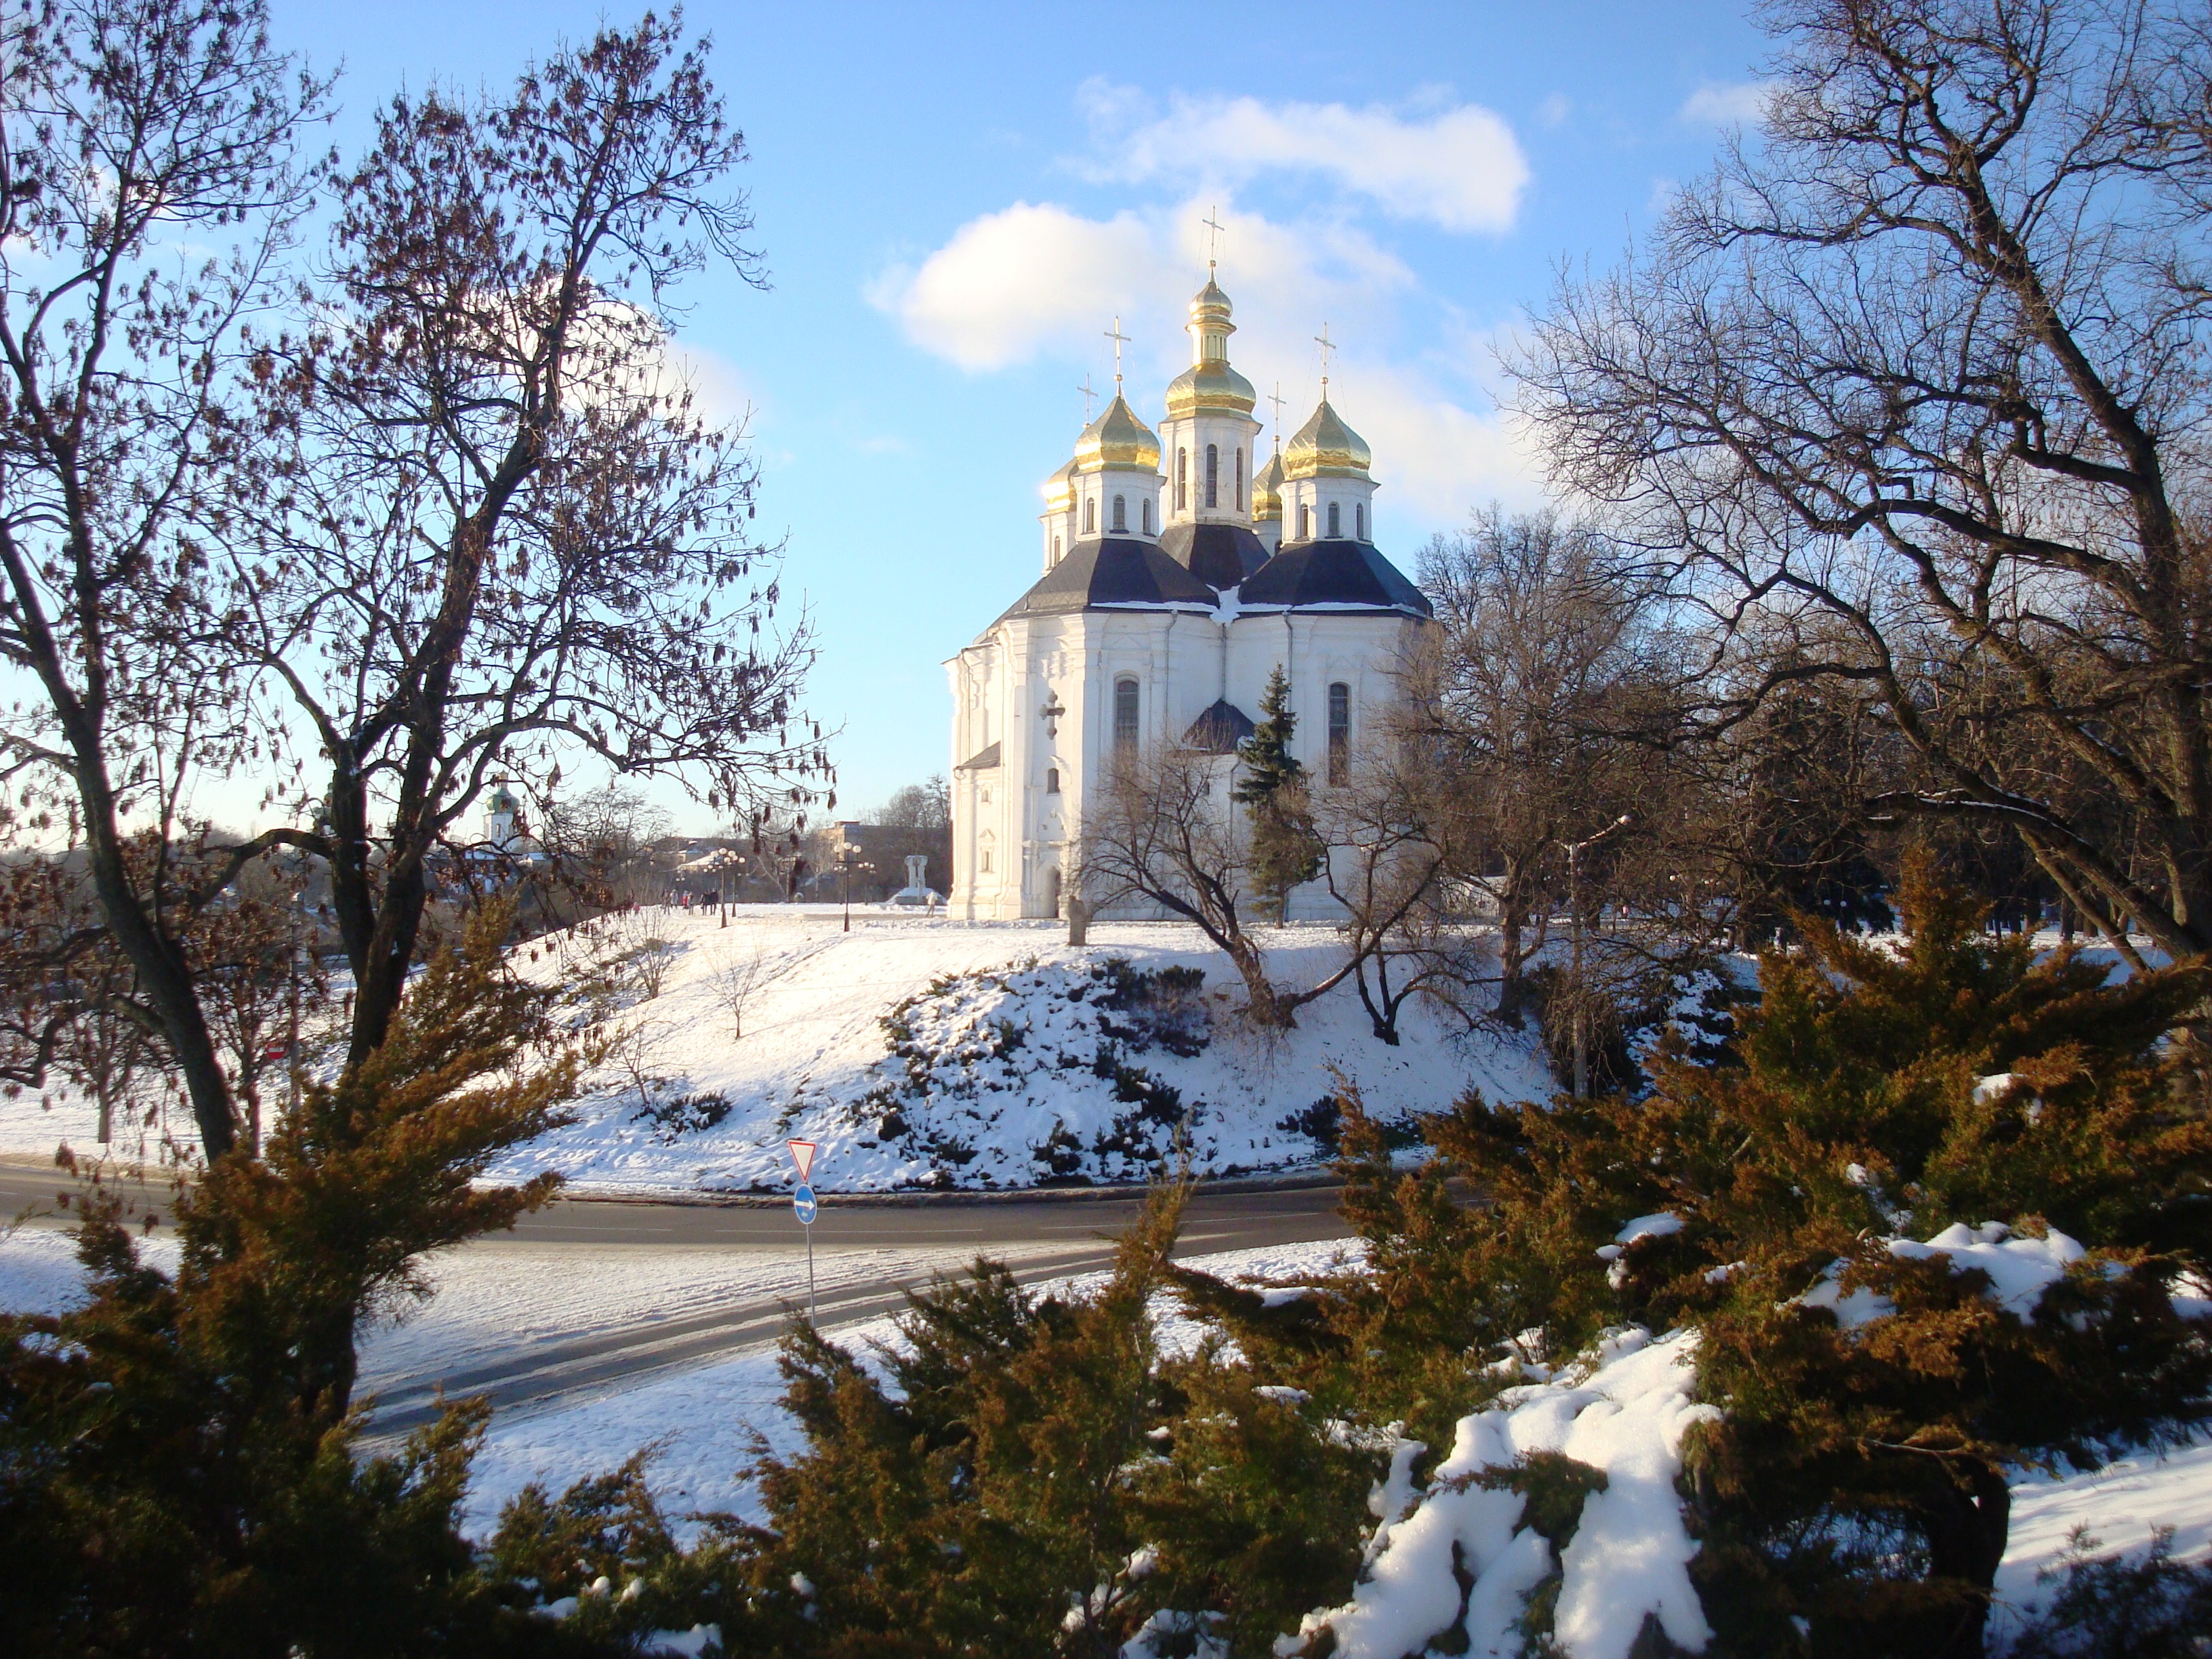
(179, 1468)
(1284, 849)
(1876, 1400)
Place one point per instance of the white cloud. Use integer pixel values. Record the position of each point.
(1461, 167)
(1741, 103)
(1554, 110)
(1036, 277)
(1434, 455)
(1009, 281)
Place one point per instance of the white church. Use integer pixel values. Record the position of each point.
(1179, 573)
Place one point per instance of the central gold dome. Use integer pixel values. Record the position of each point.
(1118, 438)
(1325, 447)
(1209, 385)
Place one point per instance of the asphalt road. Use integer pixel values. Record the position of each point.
(1042, 1236)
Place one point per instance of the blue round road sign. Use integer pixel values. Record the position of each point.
(802, 1204)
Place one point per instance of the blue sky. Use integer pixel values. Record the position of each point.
(955, 201)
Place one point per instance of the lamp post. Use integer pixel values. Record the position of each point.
(845, 868)
(1574, 850)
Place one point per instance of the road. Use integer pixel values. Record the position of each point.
(1040, 1236)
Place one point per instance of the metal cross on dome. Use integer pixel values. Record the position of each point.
(1089, 397)
(1212, 238)
(1276, 398)
(1120, 340)
(1327, 346)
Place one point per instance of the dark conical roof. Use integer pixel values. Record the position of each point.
(1219, 729)
(1338, 574)
(1218, 554)
(1113, 570)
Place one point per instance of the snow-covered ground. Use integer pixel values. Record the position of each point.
(920, 1052)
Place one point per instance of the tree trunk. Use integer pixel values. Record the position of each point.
(1965, 1541)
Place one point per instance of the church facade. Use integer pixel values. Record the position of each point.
(1179, 573)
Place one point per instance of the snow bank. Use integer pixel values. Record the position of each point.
(1623, 1417)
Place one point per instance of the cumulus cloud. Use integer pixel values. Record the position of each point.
(1459, 167)
(1009, 281)
(1741, 103)
(1038, 278)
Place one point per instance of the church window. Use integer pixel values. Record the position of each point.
(983, 856)
(1052, 779)
(1125, 713)
(1090, 516)
(1240, 480)
(1339, 732)
(1305, 522)
(1182, 479)
(1120, 514)
(1359, 520)
(1055, 550)
(1214, 475)
(1148, 515)
(1335, 524)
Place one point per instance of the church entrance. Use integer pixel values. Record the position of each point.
(1052, 891)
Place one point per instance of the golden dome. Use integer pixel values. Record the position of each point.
(1209, 385)
(1060, 489)
(1268, 489)
(1116, 438)
(1212, 388)
(1325, 447)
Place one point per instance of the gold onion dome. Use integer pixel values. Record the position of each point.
(1116, 438)
(1060, 489)
(1268, 489)
(1209, 385)
(1325, 447)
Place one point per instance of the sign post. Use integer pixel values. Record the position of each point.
(803, 1205)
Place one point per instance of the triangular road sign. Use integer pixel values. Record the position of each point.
(802, 1154)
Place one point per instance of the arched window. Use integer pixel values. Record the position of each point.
(1091, 515)
(1339, 732)
(1182, 479)
(1055, 550)
(1335, 524)
(1240, 480)
(983, 855)
(1120, 514)
(1305, 522)
(1148, 515)
(1359, 520)
(1214, 475)
(1125, 715)
(1052, 779)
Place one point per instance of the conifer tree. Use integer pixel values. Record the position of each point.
(1876, 1391)
(177, 1456)
(1284, 849)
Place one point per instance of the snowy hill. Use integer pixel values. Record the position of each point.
(922, 1053)
(927, 1053)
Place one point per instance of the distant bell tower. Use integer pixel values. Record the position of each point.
(503, 825)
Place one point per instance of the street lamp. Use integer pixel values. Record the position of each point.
(845, 866)
(1574, 850)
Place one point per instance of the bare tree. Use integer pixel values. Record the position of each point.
(1389, 853)
(736, 982)
(1914, 387)
(502, 530)
(1164, 828)
(1538, 705)
(133, 131)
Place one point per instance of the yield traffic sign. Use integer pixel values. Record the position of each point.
(802, 1154)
